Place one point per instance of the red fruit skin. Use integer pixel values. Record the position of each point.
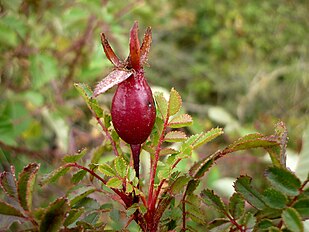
(133, 110)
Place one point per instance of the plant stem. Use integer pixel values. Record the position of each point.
(108, 135)
(153, 170)
(123, 196)
(136, 150)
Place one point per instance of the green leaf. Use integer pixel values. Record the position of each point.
(168, 151)
(25, 184)
(120, 166)
(79, 194)
(107, 170)
(54, 215)
(274, 198)
(7, 209)
(78, 176)
(161, 104)
(131, 174)
(199, 169)
(211, 199)
(178, 185)
(8, 183)
(236, 206)
(114, 183)
(292, 220)
(219, 225)
(174, 103)
(87, 94)
(199, 139)
(248, 220)
(54, 175)
(76, 157)
(283, 180)
(302, 206)
(253, 197)
(129, 188)
(73, 215)
(181, 120)
(265, 224)
(253, 141)
(175, 136)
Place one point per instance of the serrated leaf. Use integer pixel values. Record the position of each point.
(87, 94)
(54, 175)
(8, 184)
(199, 169)
(10, 210)
(114, 183)
(248, 220)
(302, 206)
(54, 215)
(80, 194)
(129, 188)
(219, 225)
(181, 120)
(175, 136)
(253, 141)
(131, 210)
(73, 215)
(253, 197)
(211, 199)
(161, 104)
(174, 103)
(131, 174)
(265, 224)
(167, 151)
(283, 180)
(107, 170)
(178, 185)
(236, 206)
(120, 166)
(78, 176)
(25, 184)
(74, 158)
(274, 199)
(292, 220)
(192, 185)
(115, 77)
(197, 140)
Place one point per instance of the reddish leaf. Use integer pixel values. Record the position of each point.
(25, 185)
(114, 78)
(110, 54)
(134, 47)
(8, 183)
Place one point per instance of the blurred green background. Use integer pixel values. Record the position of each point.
(241, 65)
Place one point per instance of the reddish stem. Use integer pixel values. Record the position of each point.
(108, 135)
(136, 150)
(153, 170)
(122, 195)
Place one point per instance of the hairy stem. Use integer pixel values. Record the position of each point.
(153, 170)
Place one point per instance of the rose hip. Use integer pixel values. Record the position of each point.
(133, 110)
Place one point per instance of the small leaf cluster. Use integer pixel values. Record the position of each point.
(162, 198)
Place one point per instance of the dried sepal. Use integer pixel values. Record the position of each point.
(114, 78)
(146, 46)
(109, 52)
(135, 47)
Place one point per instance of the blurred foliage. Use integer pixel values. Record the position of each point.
(240, 64)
